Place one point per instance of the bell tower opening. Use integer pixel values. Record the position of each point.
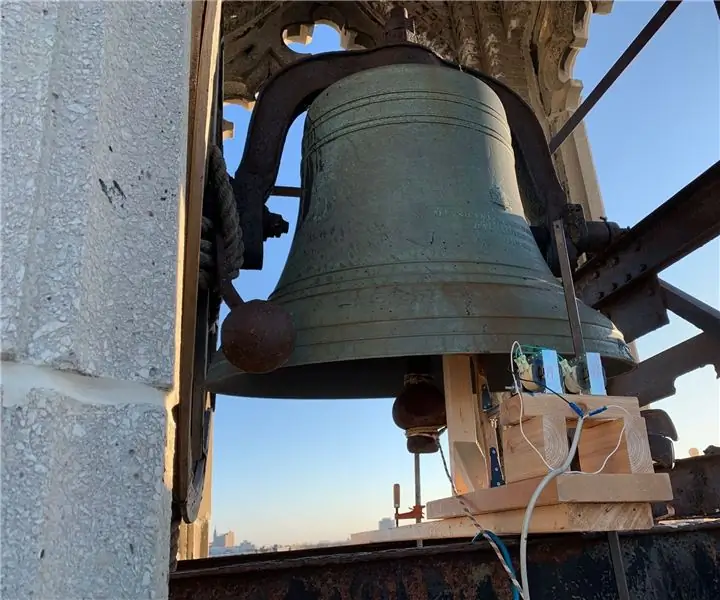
(323, 36)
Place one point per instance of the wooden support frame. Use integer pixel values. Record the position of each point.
(204, 56)
(468, 460)
(617, 498)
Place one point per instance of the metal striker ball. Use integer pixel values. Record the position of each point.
(258, 336)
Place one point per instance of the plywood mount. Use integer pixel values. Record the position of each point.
(485, 437)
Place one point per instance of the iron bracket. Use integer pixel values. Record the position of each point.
(616, 558)
(496, 478)
(688, 220)
(654, 378)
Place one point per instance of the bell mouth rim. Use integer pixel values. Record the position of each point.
(356, 379)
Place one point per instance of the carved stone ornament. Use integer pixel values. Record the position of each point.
(530, 45)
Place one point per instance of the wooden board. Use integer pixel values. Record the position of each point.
(569, 488)
(549, 404)
(570, 517)
(486, 427)
(205, 44)
(468, 464)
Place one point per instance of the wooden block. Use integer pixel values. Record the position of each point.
(633, 455)
(599, 441)
(548, 404)
(638, 445)
(569, 487)
(546, 519)
(547, 433)
(468, 464)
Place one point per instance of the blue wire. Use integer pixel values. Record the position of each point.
(506, 555)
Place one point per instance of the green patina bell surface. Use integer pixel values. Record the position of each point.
(411, 241)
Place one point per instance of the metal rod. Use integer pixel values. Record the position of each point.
(286, 190)
(618, 565)
(569, 289)
(662, 15)
(418, 499)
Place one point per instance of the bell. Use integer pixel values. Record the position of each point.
(411, 241)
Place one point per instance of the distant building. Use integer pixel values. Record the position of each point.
(386, 523)
(243, 547)
(225, 540)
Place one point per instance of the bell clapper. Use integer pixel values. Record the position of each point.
(257, 336)
(419, 409)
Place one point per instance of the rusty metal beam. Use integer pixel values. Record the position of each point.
(658, 19)
(642, 308)
(685, 222)
(702, 315)
(638, 309)
(678, 563)
(286, 190)
(654, 378)
(696, 486)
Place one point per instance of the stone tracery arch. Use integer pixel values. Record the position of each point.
(529, 45)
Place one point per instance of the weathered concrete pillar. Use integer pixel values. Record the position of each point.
(94, 120)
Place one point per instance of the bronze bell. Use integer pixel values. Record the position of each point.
(411, 241)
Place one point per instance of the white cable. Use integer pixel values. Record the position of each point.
(617, 446)
(522, 431)
(518, 388)
(553, 473)
(533, 500)
(469, 513)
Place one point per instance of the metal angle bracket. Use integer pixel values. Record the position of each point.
(496, 478)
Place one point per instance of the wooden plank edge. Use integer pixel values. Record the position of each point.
(570, 518)
(544, 404)
(567, 488)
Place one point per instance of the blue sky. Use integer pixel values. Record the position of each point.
(291, 472)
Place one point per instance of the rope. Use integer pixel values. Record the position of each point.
(488, 535)
(219, 192)
(228, 212)
(414, 378)
(207, 260)
(429, 431)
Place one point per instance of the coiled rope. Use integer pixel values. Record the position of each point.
(219, 192)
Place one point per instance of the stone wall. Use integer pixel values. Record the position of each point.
(94, 130)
